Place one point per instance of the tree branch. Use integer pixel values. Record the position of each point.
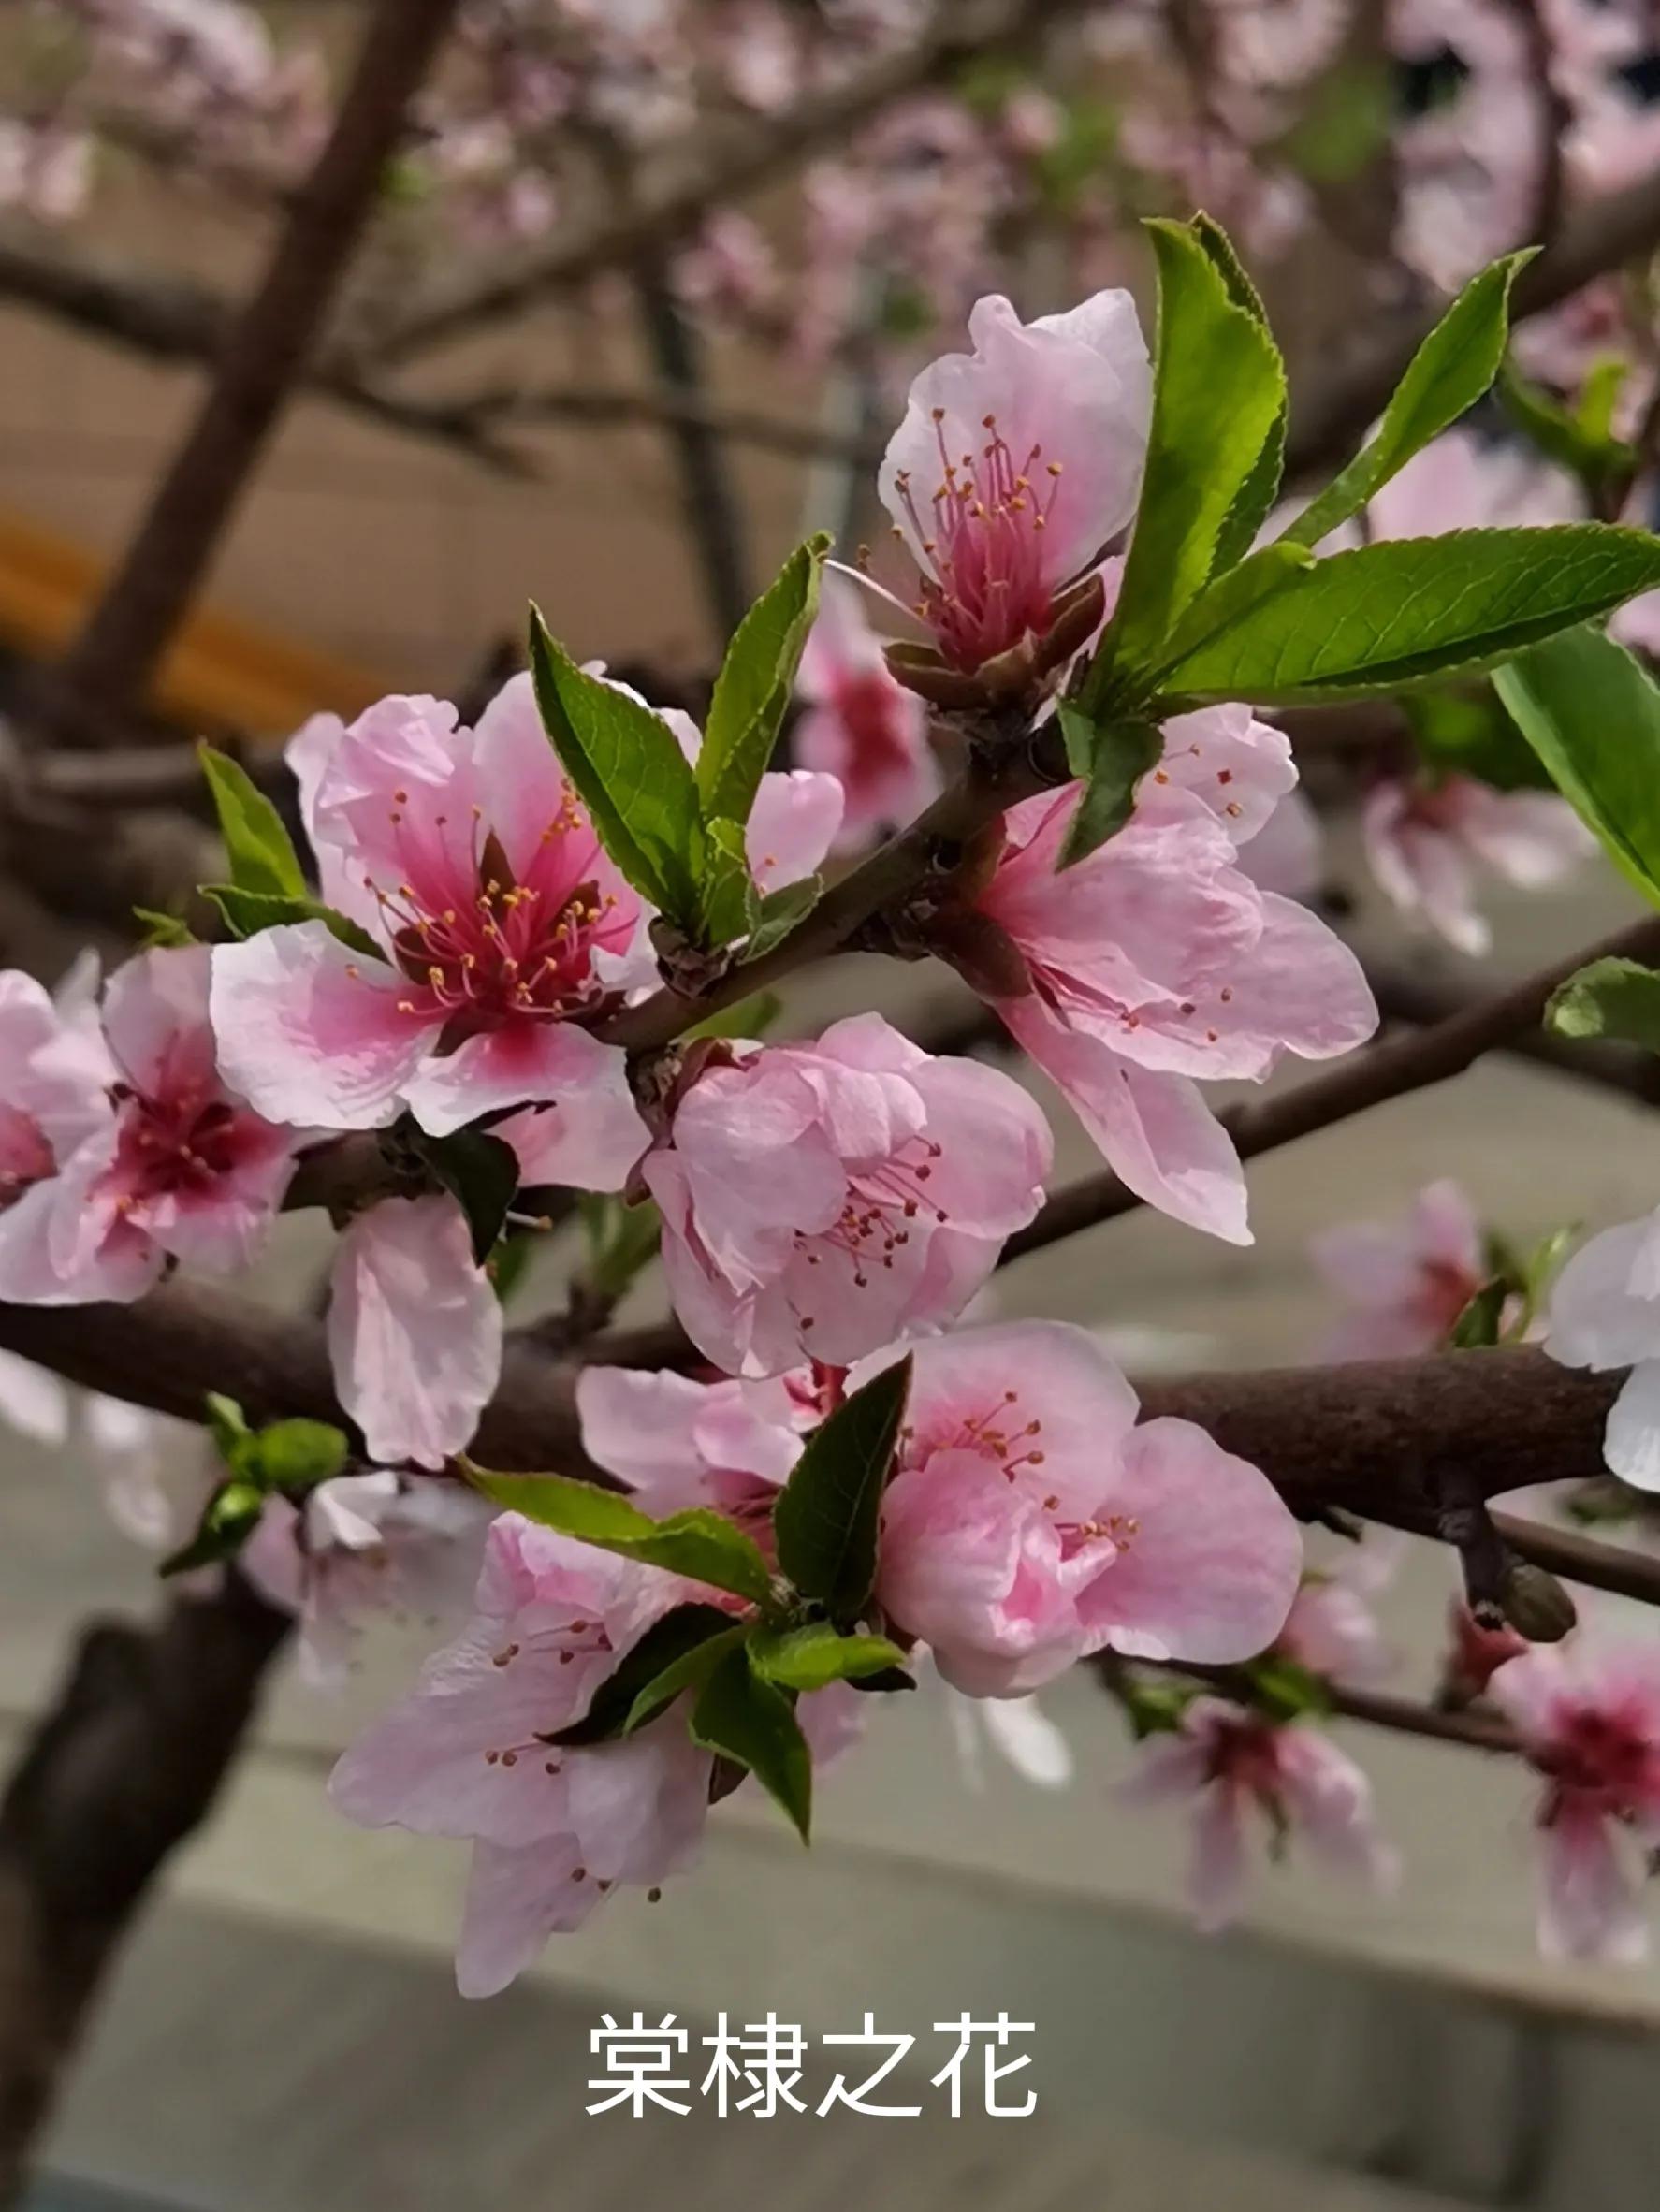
(824, 121)
(264, 353)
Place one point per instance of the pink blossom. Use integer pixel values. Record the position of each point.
(56, 1077)
(415, 1330)
(364, 1547)
(1157, 961)
(820, 1201)
(181, 1168)
(1016, 467)
(862, 727)
(678, 1442)
(1425, 839)
(466, 1752)
(1332, 1628)
(1032, 1522)
(1589, 1716)
(45, 169)
(1405, 1284)
(1226, 1761)
(1605, 1313)
(467, 855)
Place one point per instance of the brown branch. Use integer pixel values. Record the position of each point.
(1332, 413)
(1378, 1708)
(129, 1762)
(1407, 995)
(264, 353)
(1372, 1439)
(699, 181)
(1392, 1069)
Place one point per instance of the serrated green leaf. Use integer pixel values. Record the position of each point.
(247, 912)
(1256, 498)
(743, 1718)
(1613, 999)
(698, 1544)
(1479, 1325)
(673, 1646)
(1112, 757)
(779, 912)
(1219, 392)
(1391, 616)
(826, 1517)
(1448, 373)
(1591, 713)
(754, 686)
(257, 843)
(168, 930)
(481, 1173)
(630, 774)
(809, 1658)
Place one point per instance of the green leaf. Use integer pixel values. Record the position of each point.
(1218, 393)
(1394, 615)
(294, 1456)
(728, 901)
(1254, 503)
(679, 1644)
(1584, 442)
(699, 1544)
(807, 1658)
(260, 851)
(754, 686)
(1479, 1325)
(1448, 373)
(481, 1173)
(228, 1424)
(750, 1017)
(247, 912)
(1614, 999)
(1234, 595)
(230, 1519)
(1112, 757)
(1591, 713)
(826, 1516)
(779, 912)
(1284, 1689)
(170, 930)
(634, 781)
(745, 1719)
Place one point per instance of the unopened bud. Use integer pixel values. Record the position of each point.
(1535, 1604)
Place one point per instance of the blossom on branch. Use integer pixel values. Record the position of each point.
(1406, 1283)
(1605, 1313)
(820, 1201)
(1157, 961)
(1226, 1762)
(173, 1165)
(864, 728)
(1032, 1522)
(1589, 1715)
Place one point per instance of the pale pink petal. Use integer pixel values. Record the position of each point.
(527, 1062)
(639, 1426)
(1590, 1902)
(791, 826)
(517, 1898)
(1210, 1561)
(33, 1401)
(1596, 1320)
(1241, 767)
(1631, 1441)
(311, 1033)
(415, 1330)
(1216, 1868)
(1154, 1129)
(156, 1019)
